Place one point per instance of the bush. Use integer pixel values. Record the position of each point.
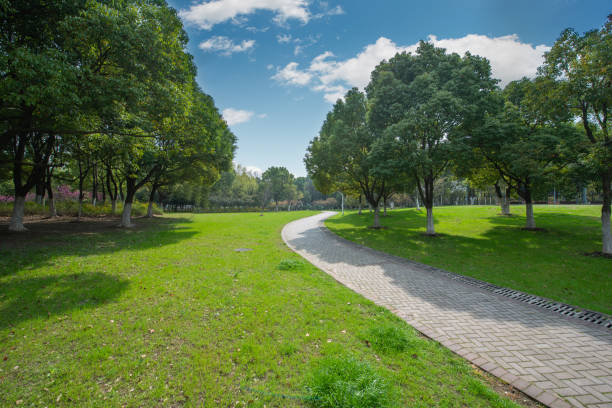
(344, 382)
(387, 339)
(71, 208)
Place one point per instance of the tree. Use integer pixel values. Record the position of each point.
(525, 143)
(279, 184)
(580, 66)
(419, 105)
(339, 158)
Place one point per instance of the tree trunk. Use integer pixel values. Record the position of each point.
(40, 191)
(360, 204)
(385, 206)
(504, 202)
(52, 209)
(605, 215)
(126, 216)
(376, 217)
(16, 224)
(113, 205)
(418, 206)
(430, 222)
(94, 184)
(529, 214)
(151, 199)
(342, 197)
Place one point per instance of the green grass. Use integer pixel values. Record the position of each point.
(171, 315)
(476, 241)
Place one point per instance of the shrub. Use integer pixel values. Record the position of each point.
(387, 339)
(344, 382)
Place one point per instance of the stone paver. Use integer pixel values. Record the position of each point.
(559, 361)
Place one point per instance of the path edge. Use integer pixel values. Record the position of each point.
(546, 398)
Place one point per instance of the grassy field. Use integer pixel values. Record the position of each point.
(476, 241)
(170, 314)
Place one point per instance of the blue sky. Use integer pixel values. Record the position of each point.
(274, 67)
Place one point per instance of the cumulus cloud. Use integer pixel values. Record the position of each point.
(236, 116)
(510, 59)
(207, 14)
(225, 46)
(291, 75)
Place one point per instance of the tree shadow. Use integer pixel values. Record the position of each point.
(46, 241)
(44, 297)
(363, 269)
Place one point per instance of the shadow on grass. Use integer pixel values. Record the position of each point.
(425, 282)
(51, 296)
(46, 241)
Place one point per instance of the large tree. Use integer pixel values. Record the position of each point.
(340, 157)
(581, 67)
(419, 104)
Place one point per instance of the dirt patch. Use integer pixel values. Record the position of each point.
(45, 231)
(506, 390)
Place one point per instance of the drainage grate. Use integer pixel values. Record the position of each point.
(561, 308)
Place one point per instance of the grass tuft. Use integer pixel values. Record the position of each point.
(345, 382)
(290, 264)
(387, 339)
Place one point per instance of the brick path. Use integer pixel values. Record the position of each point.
(557, 360)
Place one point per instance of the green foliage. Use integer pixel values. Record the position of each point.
(345, 382)
(71, 209)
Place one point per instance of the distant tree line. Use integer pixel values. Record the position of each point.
(240, 190)
(101, 96)
(438, 126)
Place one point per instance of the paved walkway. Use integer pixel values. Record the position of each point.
(557, 360)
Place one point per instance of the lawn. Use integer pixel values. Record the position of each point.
(476, 241)
(170, 314)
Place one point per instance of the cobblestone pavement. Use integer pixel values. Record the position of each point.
(557, 360)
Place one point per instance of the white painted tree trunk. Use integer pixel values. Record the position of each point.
(376, 217)
(342, 196)
(52, 209)
(417, 203)
(430, 222)
(529, 214)
(150, 210)
(126, 216)
(113, 205)
(606, 233)
(17, 217)
(505, 206)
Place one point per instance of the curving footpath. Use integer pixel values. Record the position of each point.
(557, 360)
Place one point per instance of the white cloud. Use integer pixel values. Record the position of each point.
(207, 15)
(283, 38)
(290, 75)
(226, 46)
(236, 116)
(336, 11)
(510, 59)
